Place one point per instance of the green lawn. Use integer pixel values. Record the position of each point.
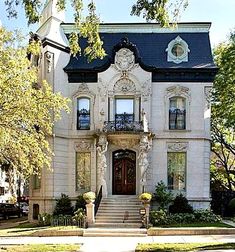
(40, 248)
(198, 224)
(171, 247)
(27, 229)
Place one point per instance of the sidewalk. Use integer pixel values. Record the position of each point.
(114, 244)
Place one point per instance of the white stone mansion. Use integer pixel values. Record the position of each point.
(139, 116)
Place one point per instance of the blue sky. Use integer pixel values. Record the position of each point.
(220, 13)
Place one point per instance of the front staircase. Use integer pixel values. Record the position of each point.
(119, 211)
(118, 215)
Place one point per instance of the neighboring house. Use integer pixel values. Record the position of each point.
(139, 116)
(12, 188)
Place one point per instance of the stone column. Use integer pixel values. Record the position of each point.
(90, 213)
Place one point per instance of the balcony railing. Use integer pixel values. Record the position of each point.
(114, 126)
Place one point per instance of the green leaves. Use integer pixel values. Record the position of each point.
(26, 119)
(162, 11)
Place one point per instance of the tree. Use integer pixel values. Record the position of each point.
(223, 117)
(223, 109)
(28, 109)
(161, 11)
(223, 158)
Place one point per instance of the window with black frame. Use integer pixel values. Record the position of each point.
(124, 116)
(83, 113)
(177, 113)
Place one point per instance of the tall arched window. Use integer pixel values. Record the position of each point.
(83, 113)
(177, 113)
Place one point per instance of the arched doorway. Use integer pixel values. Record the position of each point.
(124, 172)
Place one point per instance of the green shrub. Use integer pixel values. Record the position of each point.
(162, 195)
(44, 219)
(79, 214)
(158, 218)
(181, 218)
(80, 203)
(63, 206)
(180, 205)
(206, 216)
(231, 206)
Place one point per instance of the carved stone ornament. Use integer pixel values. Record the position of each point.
(177, 91)
(83, 88)
(208, 94)
(146, 90)
(83, 146)
(177, 147)
(124, 85)
(124, 143)
(49, 61)
(124, 59)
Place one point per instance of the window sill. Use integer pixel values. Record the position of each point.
(178, 130)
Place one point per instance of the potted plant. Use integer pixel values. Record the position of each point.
(89, 197)
(145, 198)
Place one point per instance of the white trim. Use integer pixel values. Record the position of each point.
(145, 28)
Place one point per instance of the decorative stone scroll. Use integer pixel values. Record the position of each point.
(124, 59)
(177, 147)
(83, 146)
(49, 61)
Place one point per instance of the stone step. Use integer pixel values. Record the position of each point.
(116, 221)
(102, 206)
(117, 215)
(115, 225)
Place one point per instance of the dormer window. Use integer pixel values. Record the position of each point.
(177, 51)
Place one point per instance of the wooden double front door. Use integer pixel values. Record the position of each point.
(124, 172)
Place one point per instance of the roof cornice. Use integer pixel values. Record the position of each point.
(144, 28)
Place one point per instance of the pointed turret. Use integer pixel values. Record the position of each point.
(49, 25)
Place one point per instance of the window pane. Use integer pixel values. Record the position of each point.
(36, 182)
(83, 170)
(83, 113)
(124, 106)
(176, 162)
(83, 103)
(177, 113)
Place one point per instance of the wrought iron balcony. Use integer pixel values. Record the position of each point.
(123, 122)
(113, 126)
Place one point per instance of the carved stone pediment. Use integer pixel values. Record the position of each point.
(177, 146)
(124, 85)
(124, 59)
(178, 91)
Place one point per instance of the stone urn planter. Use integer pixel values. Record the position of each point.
(89, 197)
(145, 198)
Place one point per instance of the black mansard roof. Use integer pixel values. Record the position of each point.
(150, 52)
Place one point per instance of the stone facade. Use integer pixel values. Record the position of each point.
(148, 137)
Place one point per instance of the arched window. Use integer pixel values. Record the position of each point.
(177, 113)
(83, 113)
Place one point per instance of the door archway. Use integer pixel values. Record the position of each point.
(124, 172)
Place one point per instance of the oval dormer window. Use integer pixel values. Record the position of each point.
(177, 51)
